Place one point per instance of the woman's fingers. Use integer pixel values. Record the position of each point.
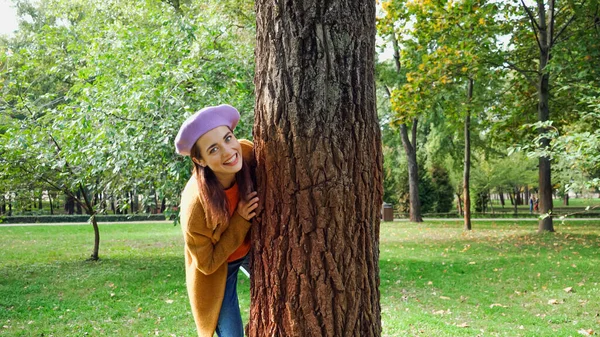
(247, 207)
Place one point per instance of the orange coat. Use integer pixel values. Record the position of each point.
(206, 252)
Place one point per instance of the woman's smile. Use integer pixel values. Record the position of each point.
(233, 160)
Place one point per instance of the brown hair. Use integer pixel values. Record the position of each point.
(212, 193)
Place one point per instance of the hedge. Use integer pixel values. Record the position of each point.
(455, 215)
(82, 218)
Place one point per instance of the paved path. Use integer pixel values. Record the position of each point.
(500, 219)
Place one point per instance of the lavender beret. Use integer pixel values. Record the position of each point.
(203, 121)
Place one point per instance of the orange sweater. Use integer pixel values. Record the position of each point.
(233, 197)
(207, 251)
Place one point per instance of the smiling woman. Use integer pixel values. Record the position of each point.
(8, 18)
(217, 205)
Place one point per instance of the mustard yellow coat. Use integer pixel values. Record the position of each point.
(206, 252)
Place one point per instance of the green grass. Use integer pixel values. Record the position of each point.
(497, 280)
(434, 279)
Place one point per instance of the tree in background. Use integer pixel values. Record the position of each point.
(318, 148)
(94, 92)
(557, 32)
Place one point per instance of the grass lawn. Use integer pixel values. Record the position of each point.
(500, 280)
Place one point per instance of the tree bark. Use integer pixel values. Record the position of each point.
(410, 148)
(545, 181)
(467, 161)
(501, 194)
(319, 171)
(566, 199)
(459, 204)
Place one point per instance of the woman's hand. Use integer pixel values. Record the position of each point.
(246, 208)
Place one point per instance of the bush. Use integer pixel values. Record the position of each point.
(443, 189)
(83, 218)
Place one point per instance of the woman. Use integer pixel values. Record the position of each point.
(217, 205)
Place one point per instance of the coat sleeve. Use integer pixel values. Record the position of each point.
(208, 257)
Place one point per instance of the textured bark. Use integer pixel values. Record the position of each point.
(319, 176)
(410, 148)
(501, 194)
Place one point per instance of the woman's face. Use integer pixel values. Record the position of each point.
(220, 151)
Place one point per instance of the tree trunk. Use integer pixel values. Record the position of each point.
(51, 206)
(69, 204)
(467, 161)
(89, 209)
(319, 171)
(501, 195)
(516, 204)
(410, 148)
(566, 199)
(78, 205)
(545, 181)
(518, 199)
(459, 204)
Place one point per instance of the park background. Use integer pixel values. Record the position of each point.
(93, 93)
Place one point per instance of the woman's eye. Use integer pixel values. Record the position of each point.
(212, 150)
(228, 138)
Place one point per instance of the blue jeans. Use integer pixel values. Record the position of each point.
(230, 319)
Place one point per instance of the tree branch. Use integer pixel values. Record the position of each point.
(405, 140)
(550, 32)
(530, 14)
(563, 29)
(534, 24)
(396, 52)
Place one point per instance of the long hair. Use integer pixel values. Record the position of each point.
(213, 194)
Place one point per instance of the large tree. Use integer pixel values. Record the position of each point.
(318, 147)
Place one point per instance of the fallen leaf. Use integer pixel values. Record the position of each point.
(444, 297)
(588, 332)
(139, 309)
(463, 325)
(498, 305)
(169, 301)
(553, 301)
(568, 289)
(472, 262)
(112, 294)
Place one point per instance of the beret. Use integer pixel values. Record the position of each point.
(203, 121)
